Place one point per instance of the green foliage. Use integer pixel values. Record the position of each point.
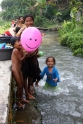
(42, 21)
(71, 33)
(4, 25)
(66, 14)
(76, 45)
(50, 11)
(78, 52)
(66, 28)
(73, 39)
(15, 8)
(72, 36)
(63, 40)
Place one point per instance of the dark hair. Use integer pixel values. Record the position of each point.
(26, 16)
(17, 29)
(52, 58)
(13, 40)
(20, 17)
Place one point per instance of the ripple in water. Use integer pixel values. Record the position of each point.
(63, 106)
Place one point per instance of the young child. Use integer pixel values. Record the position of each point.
(51, 72)
(30, 66)
(19, 25)
(17, 57)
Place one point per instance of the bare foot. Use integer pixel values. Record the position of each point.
(29, 96)
(24, 101)
(20, 105)
(31, 92)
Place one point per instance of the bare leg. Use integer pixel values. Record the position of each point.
(28, 95)
(19, 87)
(24, 84)
(30, 83)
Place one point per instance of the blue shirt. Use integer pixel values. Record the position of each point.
(50, 76)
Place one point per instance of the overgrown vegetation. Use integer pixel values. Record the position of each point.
(72, 37)
(47, 13)
(44, 11)
(4, 25)
(71, 33)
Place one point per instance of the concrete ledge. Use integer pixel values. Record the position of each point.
(5, 82)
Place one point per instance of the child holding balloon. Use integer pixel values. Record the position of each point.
(17, 57)
(30, 67)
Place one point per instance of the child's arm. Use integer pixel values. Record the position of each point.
(42, 73)
(17, 53)
(57, 79)
(20, 31)
(24, 56)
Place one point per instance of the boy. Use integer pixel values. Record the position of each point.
(17, 57)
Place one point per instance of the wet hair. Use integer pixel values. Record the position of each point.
(13, 40)
(52, 58)
(26, 16)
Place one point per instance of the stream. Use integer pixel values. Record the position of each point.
(65, 105)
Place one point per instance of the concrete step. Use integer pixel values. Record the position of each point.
(5, 82)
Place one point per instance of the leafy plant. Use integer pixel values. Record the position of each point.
(78, 52)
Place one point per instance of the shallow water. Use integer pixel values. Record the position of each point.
(65, 105)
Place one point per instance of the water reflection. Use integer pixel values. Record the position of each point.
(65, 105)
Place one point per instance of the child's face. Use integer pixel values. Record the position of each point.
(29, 22)
(50, 62)
(21, 19)
(18, 44)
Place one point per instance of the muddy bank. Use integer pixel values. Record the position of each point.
(29, 115)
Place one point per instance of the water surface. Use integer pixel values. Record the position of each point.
(65, 105)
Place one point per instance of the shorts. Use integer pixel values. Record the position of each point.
(47, 86)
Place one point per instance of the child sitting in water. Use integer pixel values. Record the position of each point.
(51, 72)
(17, 58)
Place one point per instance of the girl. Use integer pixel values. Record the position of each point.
(51, 72)
(20, 24)
(30, 67)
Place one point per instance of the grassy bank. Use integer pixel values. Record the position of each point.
(4, 25)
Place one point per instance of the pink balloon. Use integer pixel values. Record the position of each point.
(31, 39)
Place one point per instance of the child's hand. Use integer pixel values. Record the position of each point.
(22, 29)
(42, 33)
(55, 80)
(25, 55)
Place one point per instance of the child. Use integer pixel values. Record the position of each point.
(19, 25)
(30, 67)
(17, 57)
(51, 73)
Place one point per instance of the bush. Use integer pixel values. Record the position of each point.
(63, 40)
(76, 45)
(78, 52)
(72, 37)
(42, 21)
